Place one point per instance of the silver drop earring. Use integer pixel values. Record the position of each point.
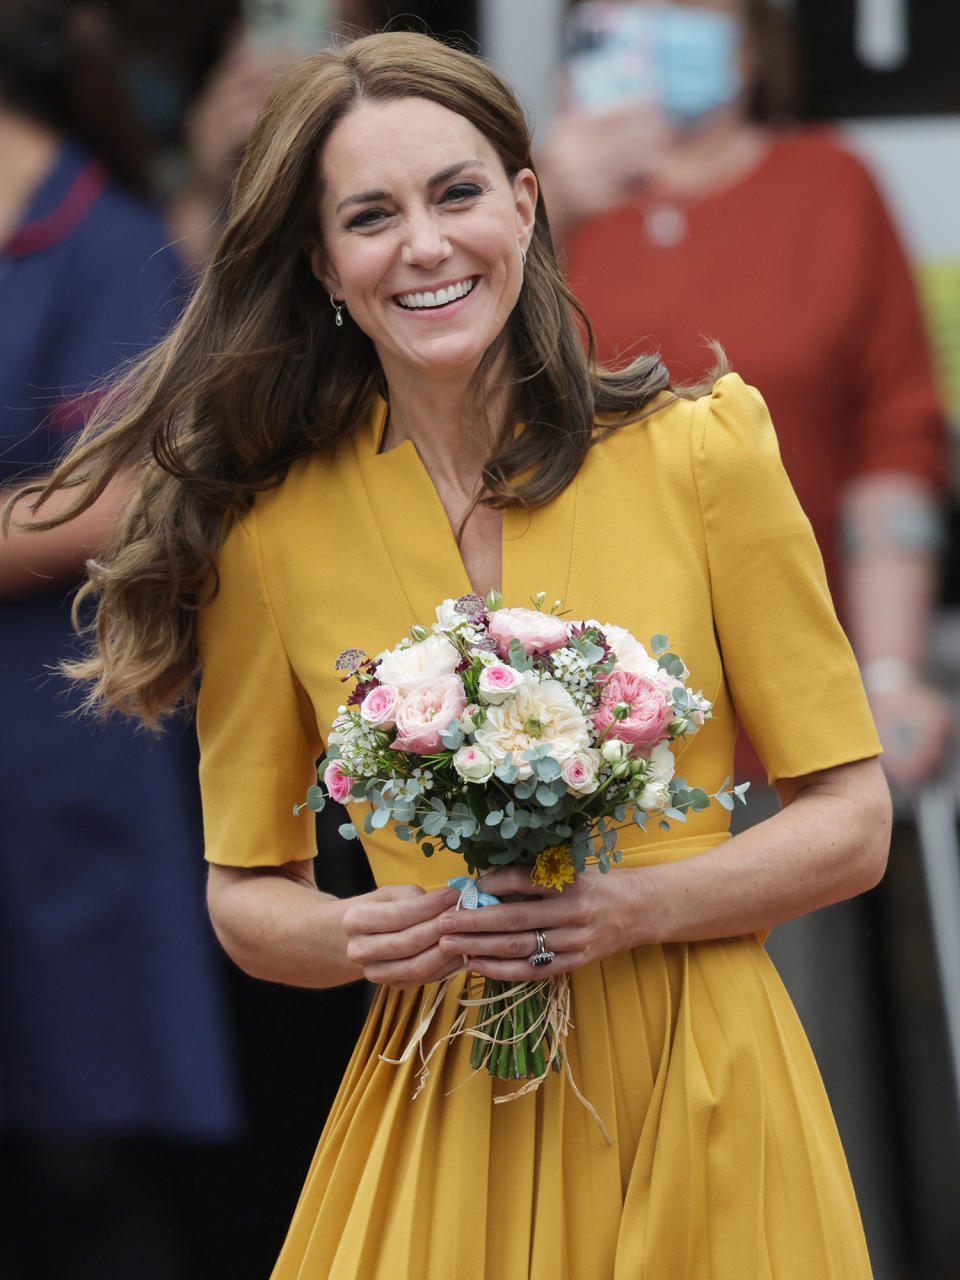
(338, 308)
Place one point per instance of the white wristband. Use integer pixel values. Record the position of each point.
(888, 675)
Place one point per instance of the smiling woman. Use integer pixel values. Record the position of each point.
(314, 476)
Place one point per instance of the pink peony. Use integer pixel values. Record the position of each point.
(424, 713)
(338, 783)
(649, 710)
(379, 707)
(537, 632)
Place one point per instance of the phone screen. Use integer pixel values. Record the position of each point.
(300, 25)
(608, 56)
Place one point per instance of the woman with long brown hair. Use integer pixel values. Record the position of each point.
(377, 398)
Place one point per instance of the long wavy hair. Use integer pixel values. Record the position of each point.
(255, 375)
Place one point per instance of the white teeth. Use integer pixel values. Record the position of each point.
(416, 301)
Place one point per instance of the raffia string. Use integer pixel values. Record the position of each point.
(555, 1019)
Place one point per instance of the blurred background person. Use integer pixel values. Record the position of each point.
(691, 208)
(114, 1055)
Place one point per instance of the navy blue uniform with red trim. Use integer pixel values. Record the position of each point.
(110, 1012)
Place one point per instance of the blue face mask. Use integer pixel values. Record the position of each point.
(684, 59)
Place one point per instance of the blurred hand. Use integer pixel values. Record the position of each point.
(393, 934)
(222, 117)
(591, 162)
(592, 917)
(916, 729)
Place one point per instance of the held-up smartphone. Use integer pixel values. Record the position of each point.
(303, 26)
(608, 56)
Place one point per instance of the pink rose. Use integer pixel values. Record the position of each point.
(648, 709)
(338, 783)
(580, 772)
(537, 632)
(498, 682)
(379, 707)
(427, 711)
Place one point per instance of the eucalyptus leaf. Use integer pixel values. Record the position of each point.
(348, 831)
(494, 818)
(547, 769)
(434, 823)
(724, 798)
(547, 796)
(509, 828)
(676, 815)
(658, 644)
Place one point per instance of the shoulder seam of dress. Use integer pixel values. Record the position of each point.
(702, 406)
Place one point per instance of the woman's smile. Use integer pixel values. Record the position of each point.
(439, 298)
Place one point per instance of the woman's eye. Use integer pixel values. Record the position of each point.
(462, 191)
(368, 218)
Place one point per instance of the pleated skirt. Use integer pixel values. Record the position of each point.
(723, 1163)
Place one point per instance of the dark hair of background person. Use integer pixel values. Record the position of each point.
(773, 90)
(61, 65)
(257, 375)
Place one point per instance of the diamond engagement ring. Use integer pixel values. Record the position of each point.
(541, 955)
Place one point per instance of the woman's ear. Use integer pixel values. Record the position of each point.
(525, 190)
(322, 269)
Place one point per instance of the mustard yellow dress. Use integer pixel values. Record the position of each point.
(725, 1162)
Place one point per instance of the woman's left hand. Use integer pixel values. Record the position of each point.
(592, 917)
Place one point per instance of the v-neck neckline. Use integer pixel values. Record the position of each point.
(536, 546)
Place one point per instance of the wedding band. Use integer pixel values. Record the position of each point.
(541, 955)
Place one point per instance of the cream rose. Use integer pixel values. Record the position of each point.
(540, 712)
(408, 667)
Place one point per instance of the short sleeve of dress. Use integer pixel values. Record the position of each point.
(257, 730)
(789, 667)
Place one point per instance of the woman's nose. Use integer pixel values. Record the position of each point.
(426, 245)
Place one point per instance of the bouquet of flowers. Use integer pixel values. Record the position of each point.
(514, 736)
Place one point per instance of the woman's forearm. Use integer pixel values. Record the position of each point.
(33, 561)
(276, 925)
(828, 843)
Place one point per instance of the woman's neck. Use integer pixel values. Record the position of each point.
(441, 419)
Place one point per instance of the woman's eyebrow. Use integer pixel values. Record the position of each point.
(451, 171)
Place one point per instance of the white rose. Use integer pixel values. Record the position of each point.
(613, 750)
(653, 798)
(405, 667)
(473, 765)
(630, 653)
(661, 762)
(661, 767)
(448, 616)
(540, 712)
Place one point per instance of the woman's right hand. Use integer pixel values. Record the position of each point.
(592, 162)
(393, 935)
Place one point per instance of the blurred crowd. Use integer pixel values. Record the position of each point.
(158, 1109)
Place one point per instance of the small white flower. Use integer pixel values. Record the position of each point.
(448, 616)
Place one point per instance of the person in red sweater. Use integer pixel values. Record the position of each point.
(689, 210)
(686, 216)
